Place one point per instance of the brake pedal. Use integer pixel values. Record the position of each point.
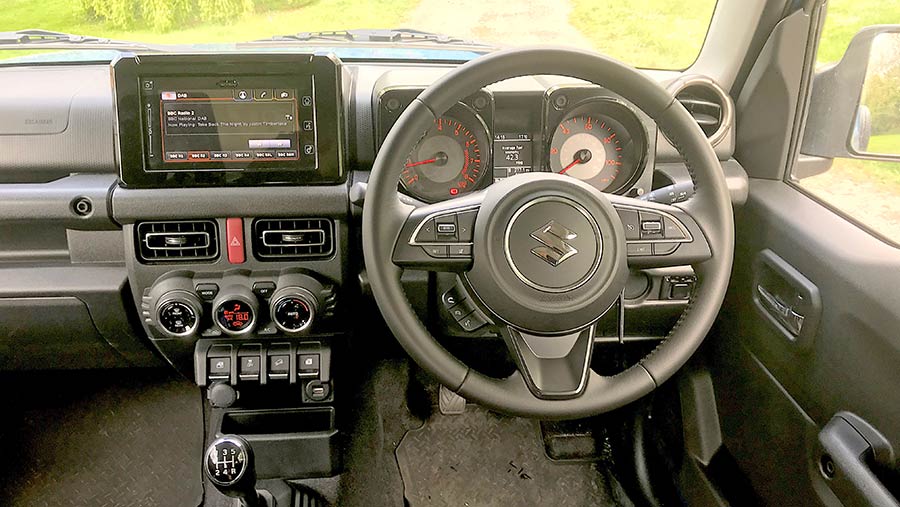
(451, 403)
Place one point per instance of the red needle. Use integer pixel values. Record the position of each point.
(571, 165)
(422, 162)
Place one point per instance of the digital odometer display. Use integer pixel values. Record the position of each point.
(196, 123)
(512, 155)
(235, 315)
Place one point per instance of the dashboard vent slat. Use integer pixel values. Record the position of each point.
(182, 241)
(292, 238)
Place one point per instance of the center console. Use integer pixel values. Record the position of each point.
(234, 206)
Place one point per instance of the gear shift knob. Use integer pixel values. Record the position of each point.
(229, 466)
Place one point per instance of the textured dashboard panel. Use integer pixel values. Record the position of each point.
(55, 120)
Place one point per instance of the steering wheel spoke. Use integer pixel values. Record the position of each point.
(439, 237)
(660, 235)
(553, 367)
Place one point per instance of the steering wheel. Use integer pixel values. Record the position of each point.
(549, 254)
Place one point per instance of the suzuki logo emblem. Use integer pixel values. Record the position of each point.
(554, 250)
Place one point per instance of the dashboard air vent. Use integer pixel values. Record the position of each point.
(195, 240)
(708, 103)
(278, 239)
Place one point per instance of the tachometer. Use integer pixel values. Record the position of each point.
(597, 147)
(450, 160)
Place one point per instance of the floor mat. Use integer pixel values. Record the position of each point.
(101, 439)
(481, 458)
(371, 477)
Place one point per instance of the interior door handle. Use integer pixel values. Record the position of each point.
(783, 312)
(851, 443)
(786, 299)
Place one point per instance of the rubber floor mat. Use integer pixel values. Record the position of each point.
(129, 438)
(481, 458)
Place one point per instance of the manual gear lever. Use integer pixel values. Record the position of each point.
(229, 466)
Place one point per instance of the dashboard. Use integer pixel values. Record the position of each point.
(185, 204)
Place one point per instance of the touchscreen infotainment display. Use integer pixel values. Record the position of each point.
(198, 123)
(234, 119)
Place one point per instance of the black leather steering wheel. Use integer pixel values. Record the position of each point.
(549, 254)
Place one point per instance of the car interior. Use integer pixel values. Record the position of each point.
(390, 268)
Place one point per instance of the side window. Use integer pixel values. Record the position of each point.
(850, 156)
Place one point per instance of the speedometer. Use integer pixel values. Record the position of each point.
(450, 160)
(602, 144)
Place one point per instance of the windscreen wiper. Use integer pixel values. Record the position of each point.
(39, 37)
(399, 35)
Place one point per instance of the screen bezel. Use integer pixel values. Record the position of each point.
(129, 71)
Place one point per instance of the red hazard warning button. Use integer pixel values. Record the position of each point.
(234, 238)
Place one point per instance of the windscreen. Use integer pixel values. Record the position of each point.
(660, 34)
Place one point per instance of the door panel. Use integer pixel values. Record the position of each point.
(776, 396)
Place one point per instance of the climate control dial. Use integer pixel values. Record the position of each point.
(236, 310)
(293, 309)
(178, 313)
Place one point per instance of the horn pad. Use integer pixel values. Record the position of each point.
(549, 253)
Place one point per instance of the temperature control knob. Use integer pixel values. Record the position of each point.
(178, 313)
(235, 310)
(293, 309)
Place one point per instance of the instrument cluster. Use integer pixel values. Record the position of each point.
(580, 131)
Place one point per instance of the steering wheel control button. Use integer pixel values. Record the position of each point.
(553, 244)
(452, 297)
(426, 233)
(234, 237)
(472, 322)
(207, 291)
(178, 318)
(631, 222)
(651, 226)
(308, 365)
(464, 308)
(264, 289)
(460, 251)
(293, 314)
(446, 230)
(664, 248)
(446, 227)
(465, 224)
(437, 251)
(672, 230)
(219, 368)
(640, 249)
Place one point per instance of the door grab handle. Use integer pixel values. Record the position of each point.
(852, 444)
(784, 313)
